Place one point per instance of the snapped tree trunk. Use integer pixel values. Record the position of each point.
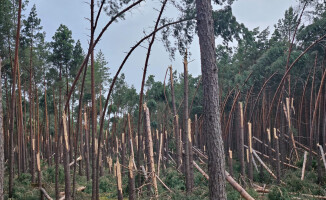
(187, 136)
(176, 122)
(149, 149)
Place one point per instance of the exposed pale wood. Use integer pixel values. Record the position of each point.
(266, 156)
(159, 155)
(81, 188)
(277, 147)
(200, 170)
(302, 146)
(65, 132)
(132, 194)
(73, 162)
(290, 127)
(264, 165)
(255, 165)
(241, 140)
(119, 180)
(149, 149)
(229, 178)
(45, 194)
(38, 161)
(158, 178)
(304, 165)
(322, 154)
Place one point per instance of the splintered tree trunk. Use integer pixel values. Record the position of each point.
(132, 194)
(230, 162)
(187, 136)
(38, 156)
(119, 180)
(212, 123)
(278, 164)
(66, 157)
(191, 158)
(242, 160)
(250, 167)
(176, 122)
(149, 149)
(2, 155)
(123, 149)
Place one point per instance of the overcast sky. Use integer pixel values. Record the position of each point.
(124, 34)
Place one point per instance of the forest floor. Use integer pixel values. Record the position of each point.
(293, 187)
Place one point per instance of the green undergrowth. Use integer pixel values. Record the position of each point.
(292, 188)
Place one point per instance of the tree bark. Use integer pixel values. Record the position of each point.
(13, 100)
(212, 124)
(131, 180)
(175, 121)
(187, 137)
(241, 140)
(149, 149)
(2, 158)
(66, 162)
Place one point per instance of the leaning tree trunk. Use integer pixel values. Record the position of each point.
(212, 124)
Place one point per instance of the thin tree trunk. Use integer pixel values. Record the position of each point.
(187, 137)
(13, 100)
(2, 159)
(175, 121)
(20, 125)
(57, 146)
(212, 123)
(250, 166)
(242, 160)
(47, 134)
(278, 164)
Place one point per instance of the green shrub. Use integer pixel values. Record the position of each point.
(25, 179)
(50, 174)
(278, 193)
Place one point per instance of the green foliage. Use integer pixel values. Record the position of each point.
(62, 46)
(24, 179)
(173, 179)
(50, 174)
(278, 193)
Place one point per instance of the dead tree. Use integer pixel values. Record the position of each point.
(149, 149)
(119, 180)
(278, 164)
(250, 166)
(175, 121)
(241, 140)
(66, 157)
(187, 130)
(131, 180)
